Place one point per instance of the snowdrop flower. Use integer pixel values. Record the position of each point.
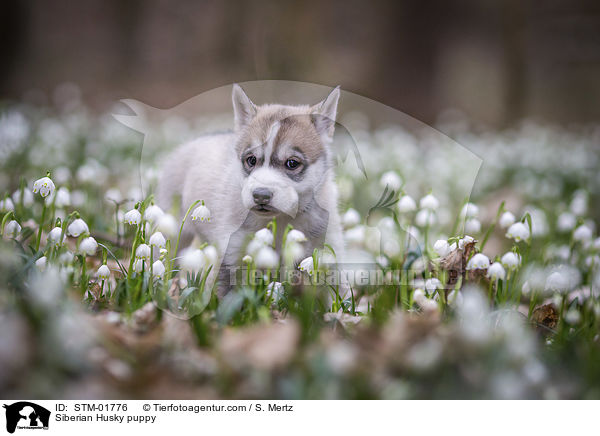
(12, 229)
(158, 269)
(201, 213)
(596, 244)
(113, 194)
(265, 236)
(557, 282)
(41, 263)
(167, 225)
(27, 197)
(582, 233)
(133, 217)
(267, 258)
(61, 198)
(566, 222)
(103, 272)
(211, 254)
(77, 227)
(45, 186)
(406, 204)
(88, 246)
(429, 202)
(193, 260)
(153, 213)
(275, 289)
(433, 284)
(496, 271)
(391, 179)
(425, 217)
(66, 258)
(469, 210)
(142, 252)
(293, 252)
(138, 265)
(579, 204)
(473, 225)
(464, 241)
(478, 261)
(355, 235)
(573, 316)
(350, 218)
(6, 205)
(511, 260)
(54, 237)
(247, 259)
(518, 231)
(441, 247)
(506, 220)
(307, 265)
(296, 236)
(157, 240)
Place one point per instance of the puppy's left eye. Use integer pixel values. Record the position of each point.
(292, 164)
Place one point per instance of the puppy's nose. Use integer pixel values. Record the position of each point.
(262, 195)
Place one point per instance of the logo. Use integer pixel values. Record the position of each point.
(26, 415)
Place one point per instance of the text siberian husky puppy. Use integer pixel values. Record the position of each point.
(277, 162)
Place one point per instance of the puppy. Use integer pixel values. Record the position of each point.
(277, 162)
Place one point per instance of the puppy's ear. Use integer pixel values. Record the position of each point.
(324, 113)
(243, 108)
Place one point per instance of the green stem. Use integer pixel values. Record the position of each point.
(39, 235)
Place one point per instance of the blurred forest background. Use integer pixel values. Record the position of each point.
(496, 61)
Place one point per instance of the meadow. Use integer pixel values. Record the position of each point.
(492, 294)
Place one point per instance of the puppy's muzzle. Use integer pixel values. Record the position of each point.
(262, 196)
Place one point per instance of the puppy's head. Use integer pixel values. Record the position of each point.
(283, 152)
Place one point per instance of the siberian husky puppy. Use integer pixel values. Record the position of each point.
(277, 162)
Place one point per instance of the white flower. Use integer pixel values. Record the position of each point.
(66, 258)
(153, 213)
(496, 271)
(441, 247)
(582, 233)
(142, 252)
(478, 261)
(133, 217)
(469, 210)
(247, 259)
(579, 204)
(12, 229)
(61, 198)
(355, 235)
(267, 258)
(295, 236)
(158, 269)
(473, 225)
(506, 220)
(45, 186)
(103, 272)
(596, 244)
(27, 197)
(211, 254)
(464, 241)
(113, 194)
(193, 260)
(6, 205)
(557, 282)
(518, 231)
(157, 240)
(511, 260)
(307, 265)
(41, 263)
(406, 204)
(429, 202)
(275, 290)
(391, 179)
(138, 265)
(88, 246)
(77, 227)
(167, 225)
(54, 236)
(566, 222)
(350, 218)
(201, 213)
(425, 217)
(573, 316)
(431, 285)
(265, 236)
(419, 296)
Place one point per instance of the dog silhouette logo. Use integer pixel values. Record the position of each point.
(26, 415)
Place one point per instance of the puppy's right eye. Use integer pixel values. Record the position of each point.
(251, 161)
